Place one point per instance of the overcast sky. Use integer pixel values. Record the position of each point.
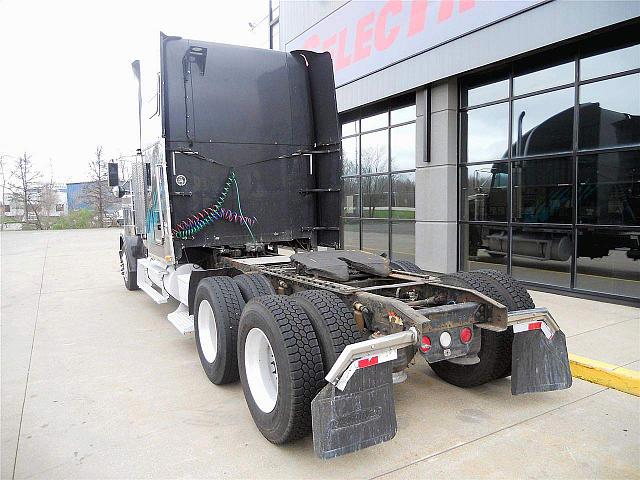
(66, 83)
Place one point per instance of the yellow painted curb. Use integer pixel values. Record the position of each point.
(605, 374)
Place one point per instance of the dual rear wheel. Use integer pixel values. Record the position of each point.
(279, 346)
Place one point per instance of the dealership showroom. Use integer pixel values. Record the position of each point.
(500, 135)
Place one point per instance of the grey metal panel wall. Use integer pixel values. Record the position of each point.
(297, 16)
(541, 26)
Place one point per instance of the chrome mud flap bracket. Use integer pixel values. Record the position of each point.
(539, 361)
(362, 415)
(356, 409)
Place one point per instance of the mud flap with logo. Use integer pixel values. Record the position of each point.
(539, 361)
(360, 416)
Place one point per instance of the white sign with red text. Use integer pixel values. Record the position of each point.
(366, 36)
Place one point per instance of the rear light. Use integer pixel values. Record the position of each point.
(465, 335)
(425, 345)
(445, 339)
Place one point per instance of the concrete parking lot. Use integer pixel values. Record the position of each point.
(96, 383)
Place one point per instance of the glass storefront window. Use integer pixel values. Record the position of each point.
(609, 188)
(560, 206)
(543, 123)
(487, 132)
(375, 196)
(610, 62)
(351, 197)
(486, 93)
(403, 115)
(543, 79)
(542, 190)
(608, 261)
(484, 246)
(350, 156)
(350, 128)
(403, 196)
(378, 206)
(403, 147)
(610, 113)
(484, 192)
(375, 152)
(542, 255)
(374, 122)
(351, 234)
(375, 236)
(403, 241)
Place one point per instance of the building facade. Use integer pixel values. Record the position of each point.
(487, 134)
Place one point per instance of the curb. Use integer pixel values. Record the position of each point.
(605, 374)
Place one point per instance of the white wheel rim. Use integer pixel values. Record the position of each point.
(261, 368)
(207, 331)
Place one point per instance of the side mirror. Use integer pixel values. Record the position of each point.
(113, 174)
(118, 191)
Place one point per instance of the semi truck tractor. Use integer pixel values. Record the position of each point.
(233, 213)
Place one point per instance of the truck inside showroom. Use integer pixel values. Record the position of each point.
(239, 158)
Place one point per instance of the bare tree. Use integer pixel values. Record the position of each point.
(97, 193)
(24, 187)
(46, 204)
(375, 189)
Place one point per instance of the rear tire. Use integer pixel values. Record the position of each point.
(128, 268)
(332, 321)
(515, 297)
(405, 266)
(217, 309)
(253, 285)
(281, 413)
(495, 350)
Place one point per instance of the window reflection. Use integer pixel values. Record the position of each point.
(375, 237)
(350, 156)
(486, 246)
(375, 121)
(486, 93)
(610, 113)
(351, 234)
(350, 128)
(542, 190)
(609, 261)
(402, 115)
(543, 123)
(542, 79)
(403, 147)
(403, 196)
(609, 189)
(351, 197)
(370, 191)
(610, 62)
(542, 255)
(375, 196)
(375, 148)
(403, 241)
(487, 132)
(483, 192)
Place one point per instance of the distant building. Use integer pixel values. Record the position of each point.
(75, 195)
(14, 209)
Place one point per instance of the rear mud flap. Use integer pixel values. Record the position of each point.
(539, 364)
(361, 416)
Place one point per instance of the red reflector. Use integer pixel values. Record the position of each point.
(465, 335)
(535, 325)
(367, 362)
(426, 344)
